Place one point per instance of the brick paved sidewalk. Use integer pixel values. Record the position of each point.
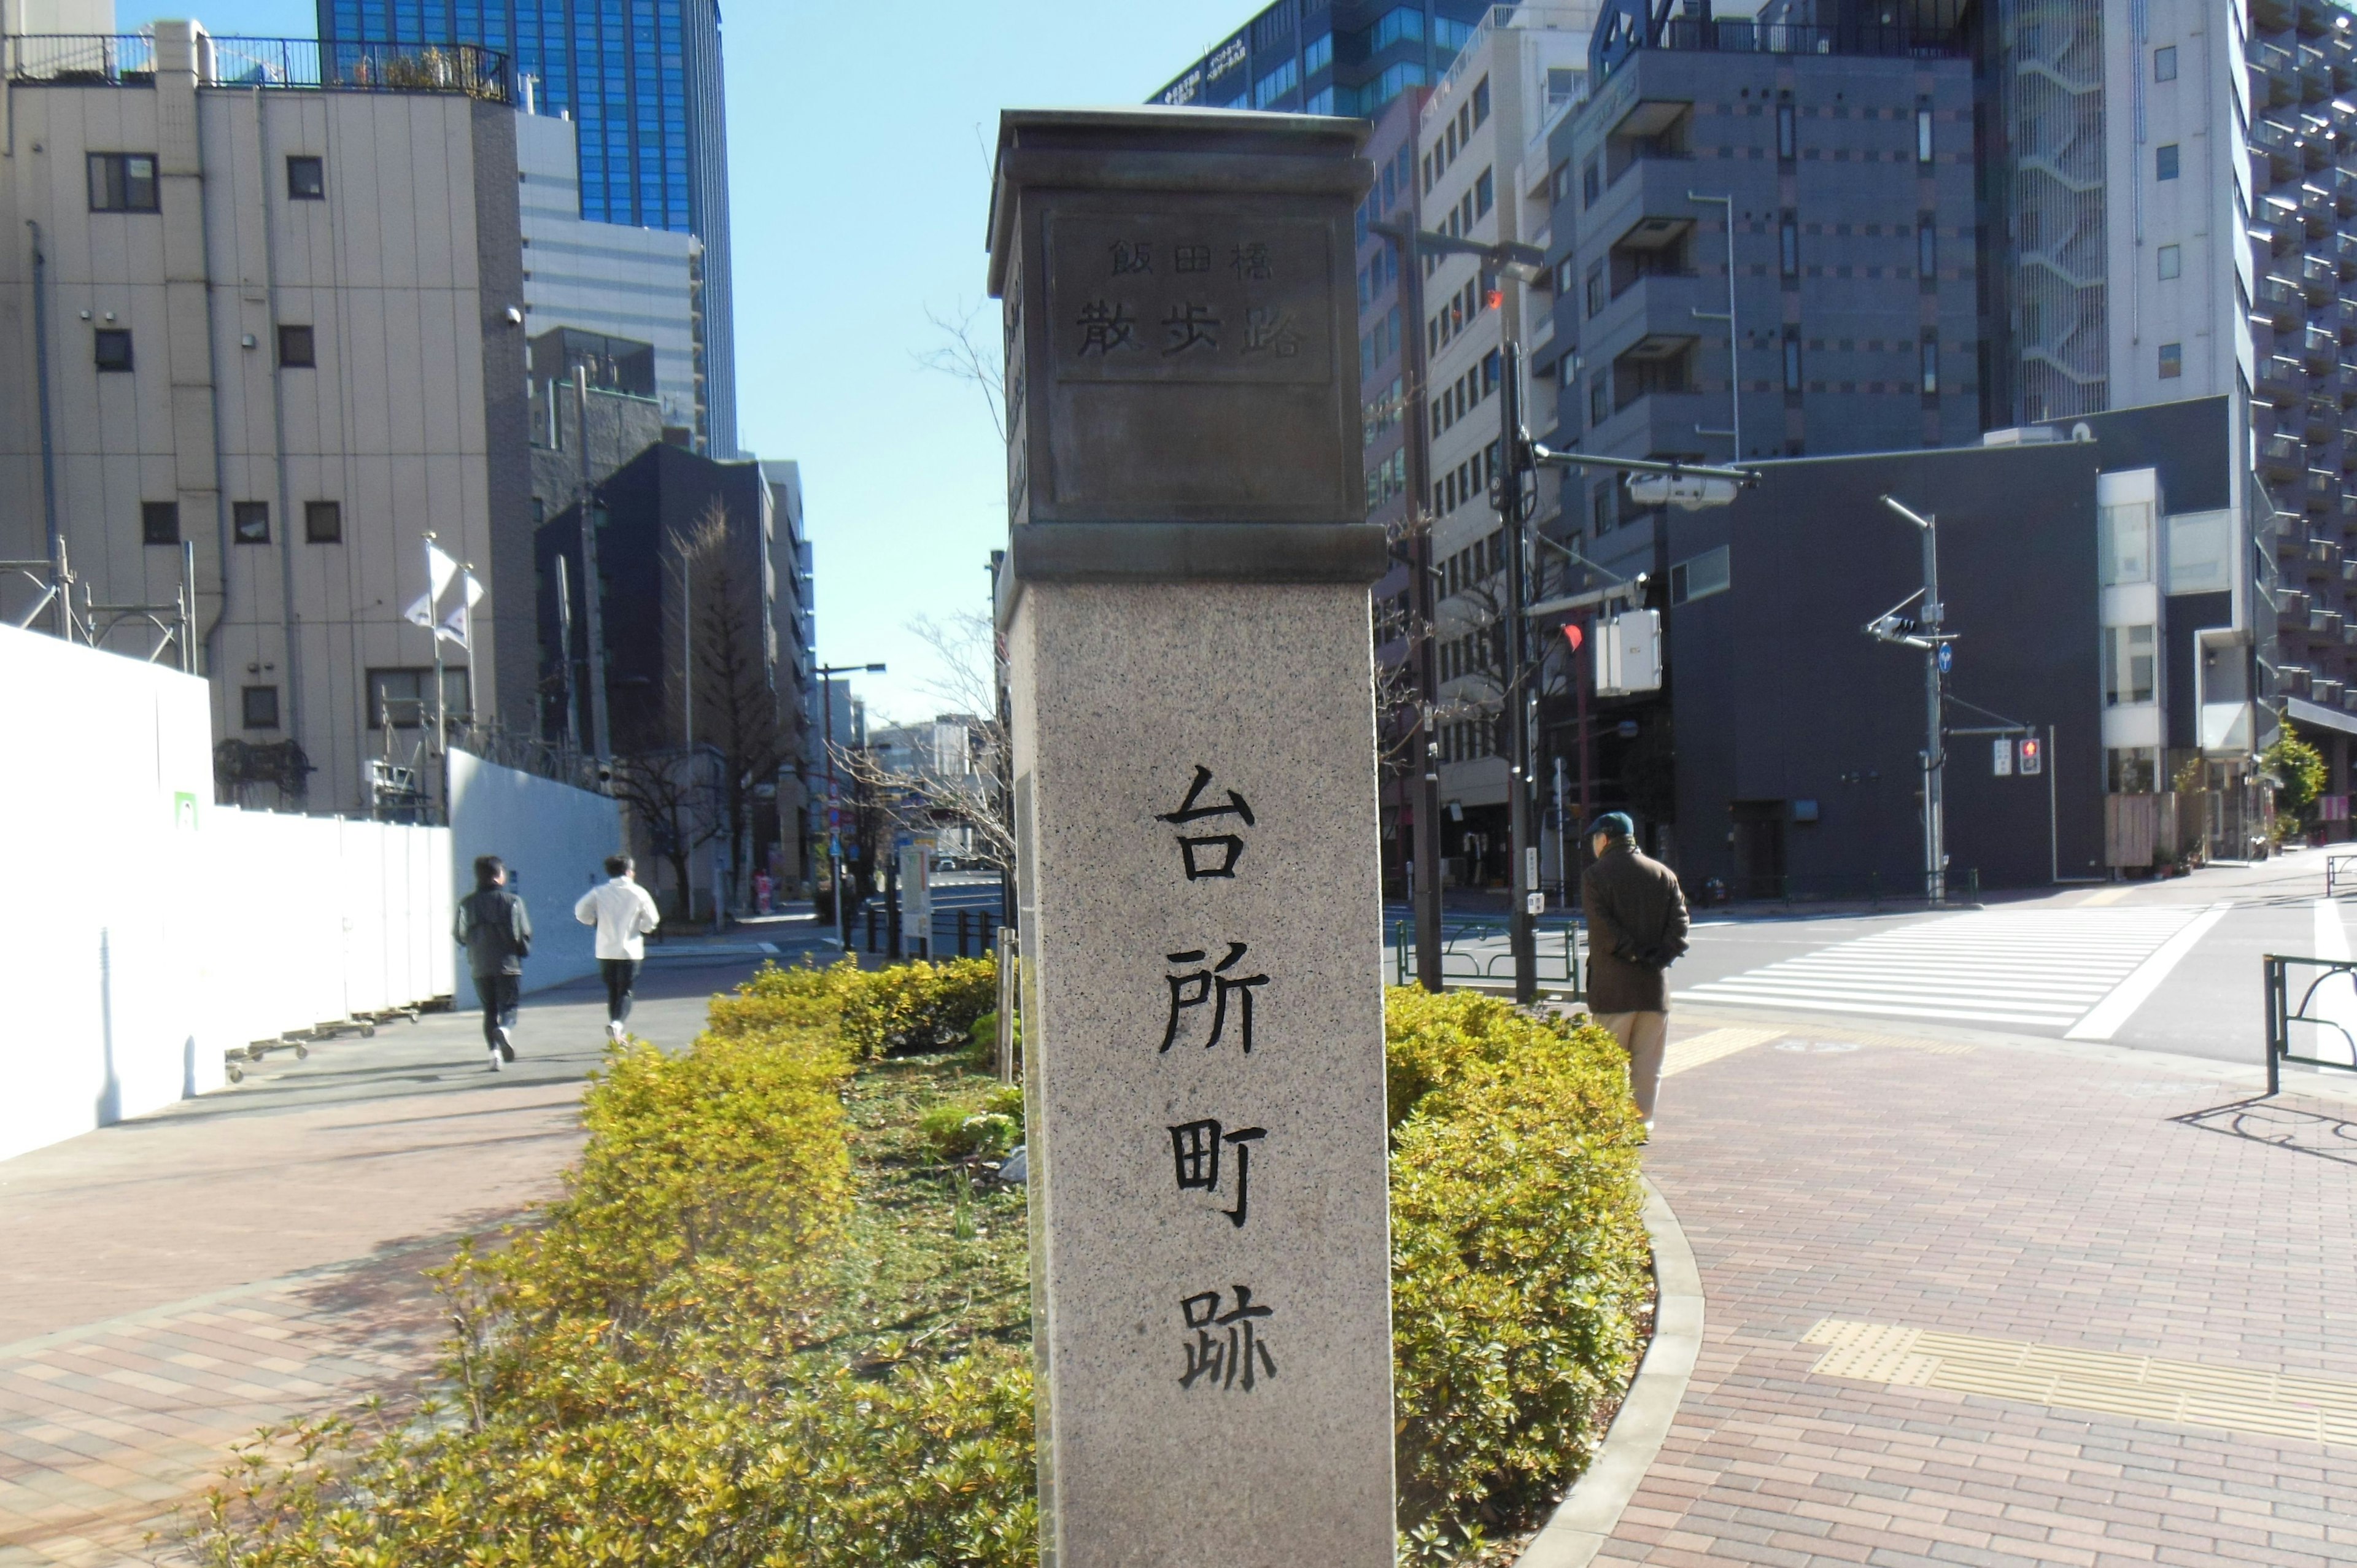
(2053, 1216)
(170, 1284)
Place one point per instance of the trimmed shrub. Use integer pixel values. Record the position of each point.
(1520, 1264)
(918, 1007)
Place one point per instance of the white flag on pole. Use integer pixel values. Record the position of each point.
(439, 569)
(458, 626)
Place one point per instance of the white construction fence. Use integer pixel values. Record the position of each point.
(146, 931)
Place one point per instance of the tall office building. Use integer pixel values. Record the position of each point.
(641, 80)
(1328, 56)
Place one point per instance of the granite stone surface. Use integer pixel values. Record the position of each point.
(1210, 1243)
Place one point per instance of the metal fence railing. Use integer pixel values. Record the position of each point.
(128, 60)
(1478, 950)
(2340, 874)
(2311, 1014)
(82, 58)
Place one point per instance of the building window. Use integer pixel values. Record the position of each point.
(1599, 397)
(259, 707)
(1481, 103)
(306, 179)
(2128, 665)
(2173, 360)
(1596, 295)
(2164, 63)
(1792, 359)
(1786, 132)
(159, 522)
(1485, 193)
(1699, 576)
(249, 522)
(1600, 508)
(2131, 770)
(111, 348)
(2173, 262)
(122, 182)
(1927, 251)
(323, 522)
(1591, 182)
(1788, 248)
(295, 348)
(1319, 55)
(1930, 365)
(1922, 135)
(1277, 85)
(2124, 542)
(2164, 161)
(405, 698)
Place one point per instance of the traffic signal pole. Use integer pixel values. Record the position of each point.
(1513, 460)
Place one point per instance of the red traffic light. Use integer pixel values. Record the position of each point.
(1573, 635)
(1497, 298)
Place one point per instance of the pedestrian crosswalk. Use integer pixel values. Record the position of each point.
(2043, 968)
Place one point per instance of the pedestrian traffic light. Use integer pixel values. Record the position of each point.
(1574, 636)
(2033, 755)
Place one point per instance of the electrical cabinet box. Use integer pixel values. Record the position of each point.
(1628, 653)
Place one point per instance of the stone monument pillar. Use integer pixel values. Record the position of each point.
(1192, 678)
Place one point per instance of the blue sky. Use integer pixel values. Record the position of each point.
(859, 180)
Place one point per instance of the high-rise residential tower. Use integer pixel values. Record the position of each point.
(1328, 57)
(641, 80)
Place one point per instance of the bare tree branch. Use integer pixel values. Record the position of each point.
(970, 356)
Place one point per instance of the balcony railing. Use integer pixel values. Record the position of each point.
(128, 60)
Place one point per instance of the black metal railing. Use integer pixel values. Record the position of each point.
(2311, 1014)
(128, 60)
(1475, 949)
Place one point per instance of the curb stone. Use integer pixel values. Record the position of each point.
(1589, 1512)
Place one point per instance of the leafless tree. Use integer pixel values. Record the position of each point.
(966, 688)
(673, 795)
(723, 685)
(969, 354)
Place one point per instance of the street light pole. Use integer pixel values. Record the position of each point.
(826, 674)
(1933, 639)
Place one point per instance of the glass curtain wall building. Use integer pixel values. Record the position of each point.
(641, 80)
(1328, 57)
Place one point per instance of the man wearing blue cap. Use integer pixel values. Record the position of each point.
(1636, 929)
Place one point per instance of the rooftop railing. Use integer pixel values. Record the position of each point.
(128, 60)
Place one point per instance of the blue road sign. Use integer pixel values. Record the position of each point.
(1947, 657)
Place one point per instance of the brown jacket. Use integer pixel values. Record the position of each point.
(1636, 929)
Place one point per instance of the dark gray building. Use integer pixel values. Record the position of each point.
(2081, 567)
(1328, 57)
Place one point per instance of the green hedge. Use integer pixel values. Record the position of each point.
(654, 1376)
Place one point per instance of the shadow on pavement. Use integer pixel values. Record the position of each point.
(2263, 1120)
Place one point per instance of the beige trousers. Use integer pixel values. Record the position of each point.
(1645, 1036)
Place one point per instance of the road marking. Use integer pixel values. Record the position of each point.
(2193, 1393)
(2107, 896)
(1710, 1046)
(2331, 936)
(2042, 967)
(2114, 1011)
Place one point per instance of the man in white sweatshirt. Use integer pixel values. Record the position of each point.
(623, 913)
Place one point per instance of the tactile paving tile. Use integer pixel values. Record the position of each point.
(2194, 1393)
(1711, 1044)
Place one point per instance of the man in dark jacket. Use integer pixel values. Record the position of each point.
(1636, 929)
(496, 931)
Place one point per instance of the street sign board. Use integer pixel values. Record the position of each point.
(2001, 757)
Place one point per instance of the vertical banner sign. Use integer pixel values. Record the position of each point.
(1190, 680)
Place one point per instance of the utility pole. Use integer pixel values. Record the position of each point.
(1512, 462)
(1424, 841)
(564, 656)
(593, 610)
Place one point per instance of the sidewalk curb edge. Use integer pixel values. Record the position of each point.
(1589, 1512)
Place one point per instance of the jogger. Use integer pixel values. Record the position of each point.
(623, 913)
(495, 928)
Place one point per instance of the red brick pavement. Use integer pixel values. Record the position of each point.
(2028, 1190)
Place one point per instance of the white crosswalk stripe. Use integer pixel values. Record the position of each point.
(2047, 968)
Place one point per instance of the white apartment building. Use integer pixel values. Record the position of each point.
(609, 278)
(1482, 175)
(282, 325)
